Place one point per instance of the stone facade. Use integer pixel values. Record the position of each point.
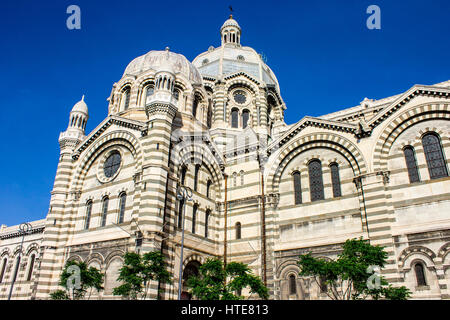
(217, 126)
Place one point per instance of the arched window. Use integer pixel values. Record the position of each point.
(104, 211)
(149, 92)
(434, 155)
(245, 117)
(183, 174)
(411, 164)
(180, 213)
(196, 174)
(208, 213)
(176, 94)
(209, 115)
(335, 180)
(297, 187)
(420, 274)
(241, 173)
(31, 267)
(316, 180)
(16, 269)
(238, 230)
(194, 217)
(292, 284)
(208, 187)
(126, 98)
(2, 272)
(195, 107)
(123, 200)
(87, 221)
(234, 118)
(234, 179)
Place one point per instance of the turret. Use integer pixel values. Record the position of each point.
(77, 124)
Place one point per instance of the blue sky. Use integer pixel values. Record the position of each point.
(323, 54)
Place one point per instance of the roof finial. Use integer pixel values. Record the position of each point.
(82, 98)
(231, 12)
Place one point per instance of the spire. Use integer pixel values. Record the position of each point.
(231, 32)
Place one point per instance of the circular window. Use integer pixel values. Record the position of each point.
(240, 96)
(112, 164)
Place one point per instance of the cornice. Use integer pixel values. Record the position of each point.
(110, 120)
(159, 107)
(16, 234)
(242, 73)
(311, 122)
(417, 90)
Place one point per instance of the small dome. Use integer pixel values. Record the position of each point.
(80, 106)
(230, 23)
(164, 61)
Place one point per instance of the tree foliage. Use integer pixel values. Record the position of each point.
(137, 273)
(354, 274)
(216, 282)
(77, 279)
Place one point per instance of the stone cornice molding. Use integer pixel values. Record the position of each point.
(160, 108)
(16, 234)
(241, 73)
(417, 90)
(105, 124)
(311, 122)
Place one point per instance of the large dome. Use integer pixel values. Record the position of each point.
(157, 60)
(231, 58)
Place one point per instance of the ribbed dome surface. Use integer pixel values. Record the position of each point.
(80, 106)
(230, 23)
(157, 60)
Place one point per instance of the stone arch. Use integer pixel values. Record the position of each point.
(32, 247)
(5, 253)
(113, 263)
(75, 257)
(193, 257)
(444, 252)
(191, 267)
(123, 138)
(16, 250)
(241, 79)
(315, 140)
(399, 124)
(425, 252)
(286, 267)
(112, 255)
(184, 152)
(95, 257)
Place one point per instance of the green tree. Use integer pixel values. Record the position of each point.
(354, 274)
(137, 273)
(77, 279)
(216, 282)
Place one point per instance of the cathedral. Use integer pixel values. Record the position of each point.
(196, 161)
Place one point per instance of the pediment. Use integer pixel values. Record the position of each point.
(312, 122)
(105, 124)
(414, 92)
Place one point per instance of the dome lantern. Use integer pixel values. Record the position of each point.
(230, 32)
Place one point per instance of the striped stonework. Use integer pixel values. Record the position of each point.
(245, 205)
